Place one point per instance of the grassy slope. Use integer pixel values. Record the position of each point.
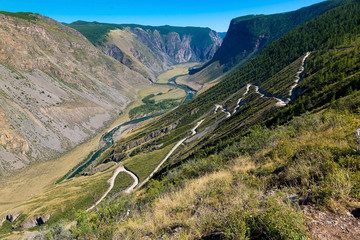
(274, 61)
(239, 193)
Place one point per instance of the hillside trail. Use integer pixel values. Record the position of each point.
(298, 77)
(111, 181)
(280, 102)
(121, 168)
(193, 132)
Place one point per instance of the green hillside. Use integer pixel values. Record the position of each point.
(23, 15)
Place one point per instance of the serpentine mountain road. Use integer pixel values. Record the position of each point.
(280, 102)
(193, 132)
(121, 168)
(111, 181)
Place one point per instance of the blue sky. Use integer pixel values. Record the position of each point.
(215, 14)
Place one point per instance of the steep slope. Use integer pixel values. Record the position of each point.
(156, 48)
(248, 35)
(263, 90)
(56, 89)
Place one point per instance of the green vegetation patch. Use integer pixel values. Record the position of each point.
(152, 107)
(5, 228)
(122, 181)
(143, 164)
(23, 15)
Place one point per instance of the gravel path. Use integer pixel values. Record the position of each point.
(193, 132)
(120, 169)
(111, 181)
(298, 76)
(280, 102)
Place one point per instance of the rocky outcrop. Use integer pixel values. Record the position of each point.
(121, 150)
(152, 135)
(36, 221)
(180, 45)
(115, 52)
(11, 217)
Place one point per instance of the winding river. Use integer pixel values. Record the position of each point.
(107, 139)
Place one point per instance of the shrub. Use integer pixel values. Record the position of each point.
(278, 221)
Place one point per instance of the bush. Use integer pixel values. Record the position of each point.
(278, 221)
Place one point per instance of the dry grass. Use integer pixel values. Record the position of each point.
(203, 205)
(58, 198)
(241, 165)
(177, 208)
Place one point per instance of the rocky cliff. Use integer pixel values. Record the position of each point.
(156, 48)
(56, 89)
